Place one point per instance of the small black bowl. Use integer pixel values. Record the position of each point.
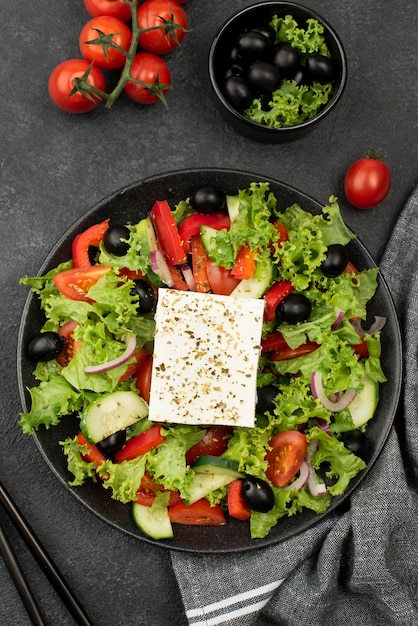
(220, 62)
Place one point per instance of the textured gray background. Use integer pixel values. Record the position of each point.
(54, 166)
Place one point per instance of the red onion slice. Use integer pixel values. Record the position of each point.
(188, 276)
(378, 325)
(339, 318)
(159, 266)
(318, 392)
(301, 479)
(120, 360)
(323, 425)
(315, 487)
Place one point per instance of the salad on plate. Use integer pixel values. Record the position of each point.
(214, 355)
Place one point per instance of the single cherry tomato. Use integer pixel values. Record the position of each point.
(167, 13)
(71, 345)
(154, 76)
(220, 279)
(75, 282)
(148, 490)
(105, 30)
(63, 89)
(288, 451)
(215, 442)
(200, 513)
(367, 182)
(114, 8)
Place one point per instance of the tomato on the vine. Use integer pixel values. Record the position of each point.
(367, 182)
(63, 90)
(173, 21)
(114, 8)
(154, 76)
(107, 32)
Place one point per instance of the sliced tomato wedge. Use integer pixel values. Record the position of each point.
(93, 455)
(178, 281)
(274, 341)
(220, 279)
(139, 357)
(200, 513)
(190, 226)
(168, 237)
(214, 443)
(199, 264)
(71, 345)
(361, 348)
(288, 451)
(284, 354)
(141, 444)
(76, 282)
(237, 507)
(143, 378)
(88, 239)
(148, 489)
(273, 296)
(351, 269)
(244, 263)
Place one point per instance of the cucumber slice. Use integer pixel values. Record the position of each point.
(208, 464)
(257, 285)
(208, 235)
(363, 407)
(112, 413)
(206, 483)
(232, 204)
(155, 524)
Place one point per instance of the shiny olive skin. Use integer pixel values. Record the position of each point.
(112, 240)
(267, 31)
(257, 494)
(335, 261)
(294, 308)
(146, 296)
(320, 68)
(265, 398)
(234, 70)
(207, 200)
(286, 59)
(45, 346)
(300, 76)
(237, 92)
(263, 77)
(112, 444)
(252, 45)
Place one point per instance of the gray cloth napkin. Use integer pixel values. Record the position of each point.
(358, 566)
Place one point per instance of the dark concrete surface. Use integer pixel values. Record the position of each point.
(54, 166)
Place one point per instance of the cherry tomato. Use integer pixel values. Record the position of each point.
(159, 12)
(143, 378)
(286, 353)
(110, 30)
(148, 490)
(93, 455)
(220, 279)
(199, 513)
(75, 283)
(62, 82)
(215, 442)
(154, 72)
(367, 182)
(288, 451)
(114, 8)
(71, 345)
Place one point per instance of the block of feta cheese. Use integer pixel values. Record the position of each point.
(206, 351)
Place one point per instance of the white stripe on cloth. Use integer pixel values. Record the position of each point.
(249, 606)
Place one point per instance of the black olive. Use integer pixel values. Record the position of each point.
(265, 398)
(267, 31)
(113, 240)
(335, 261)
(254, 46)
(300, 76)
(263, 77)
(355, 441)
(286, 59)
(320, 68)
(45, 346)
(237, 92)
(258, 494)
(112, 444)
(146, 296)
(234, 70)
(294, 308)
(207, 200)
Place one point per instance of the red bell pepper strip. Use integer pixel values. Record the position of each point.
(273, 296)
(237, 507)
(93, 455)
(169, 240)
(91, 237)
(244, 263)
(191, 226)
(200, 513)
(178, 281)
(139, 445)
(274, 341)
(287, 353)
(199, 264)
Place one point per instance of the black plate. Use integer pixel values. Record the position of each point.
(130, 205)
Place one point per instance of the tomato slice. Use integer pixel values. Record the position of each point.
(75, 283)
(93, 455)
(214, 443)
(139, 357)
(178, 281)
(351, 269)
(273, 296)
(143, 378)
(288, 451)
(274, 341)
(220, 279)
(148, 489)
(361, 348)
(286, 353)
(167, 233)
(89, 238)
(244, 263)
(237, 507)
(199, 264)
(190, 226)
(141, 444)
(200, 513)
(71, 345)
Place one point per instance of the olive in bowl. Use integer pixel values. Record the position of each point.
(276, 69)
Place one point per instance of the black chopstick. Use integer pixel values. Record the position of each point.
(48, 566)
